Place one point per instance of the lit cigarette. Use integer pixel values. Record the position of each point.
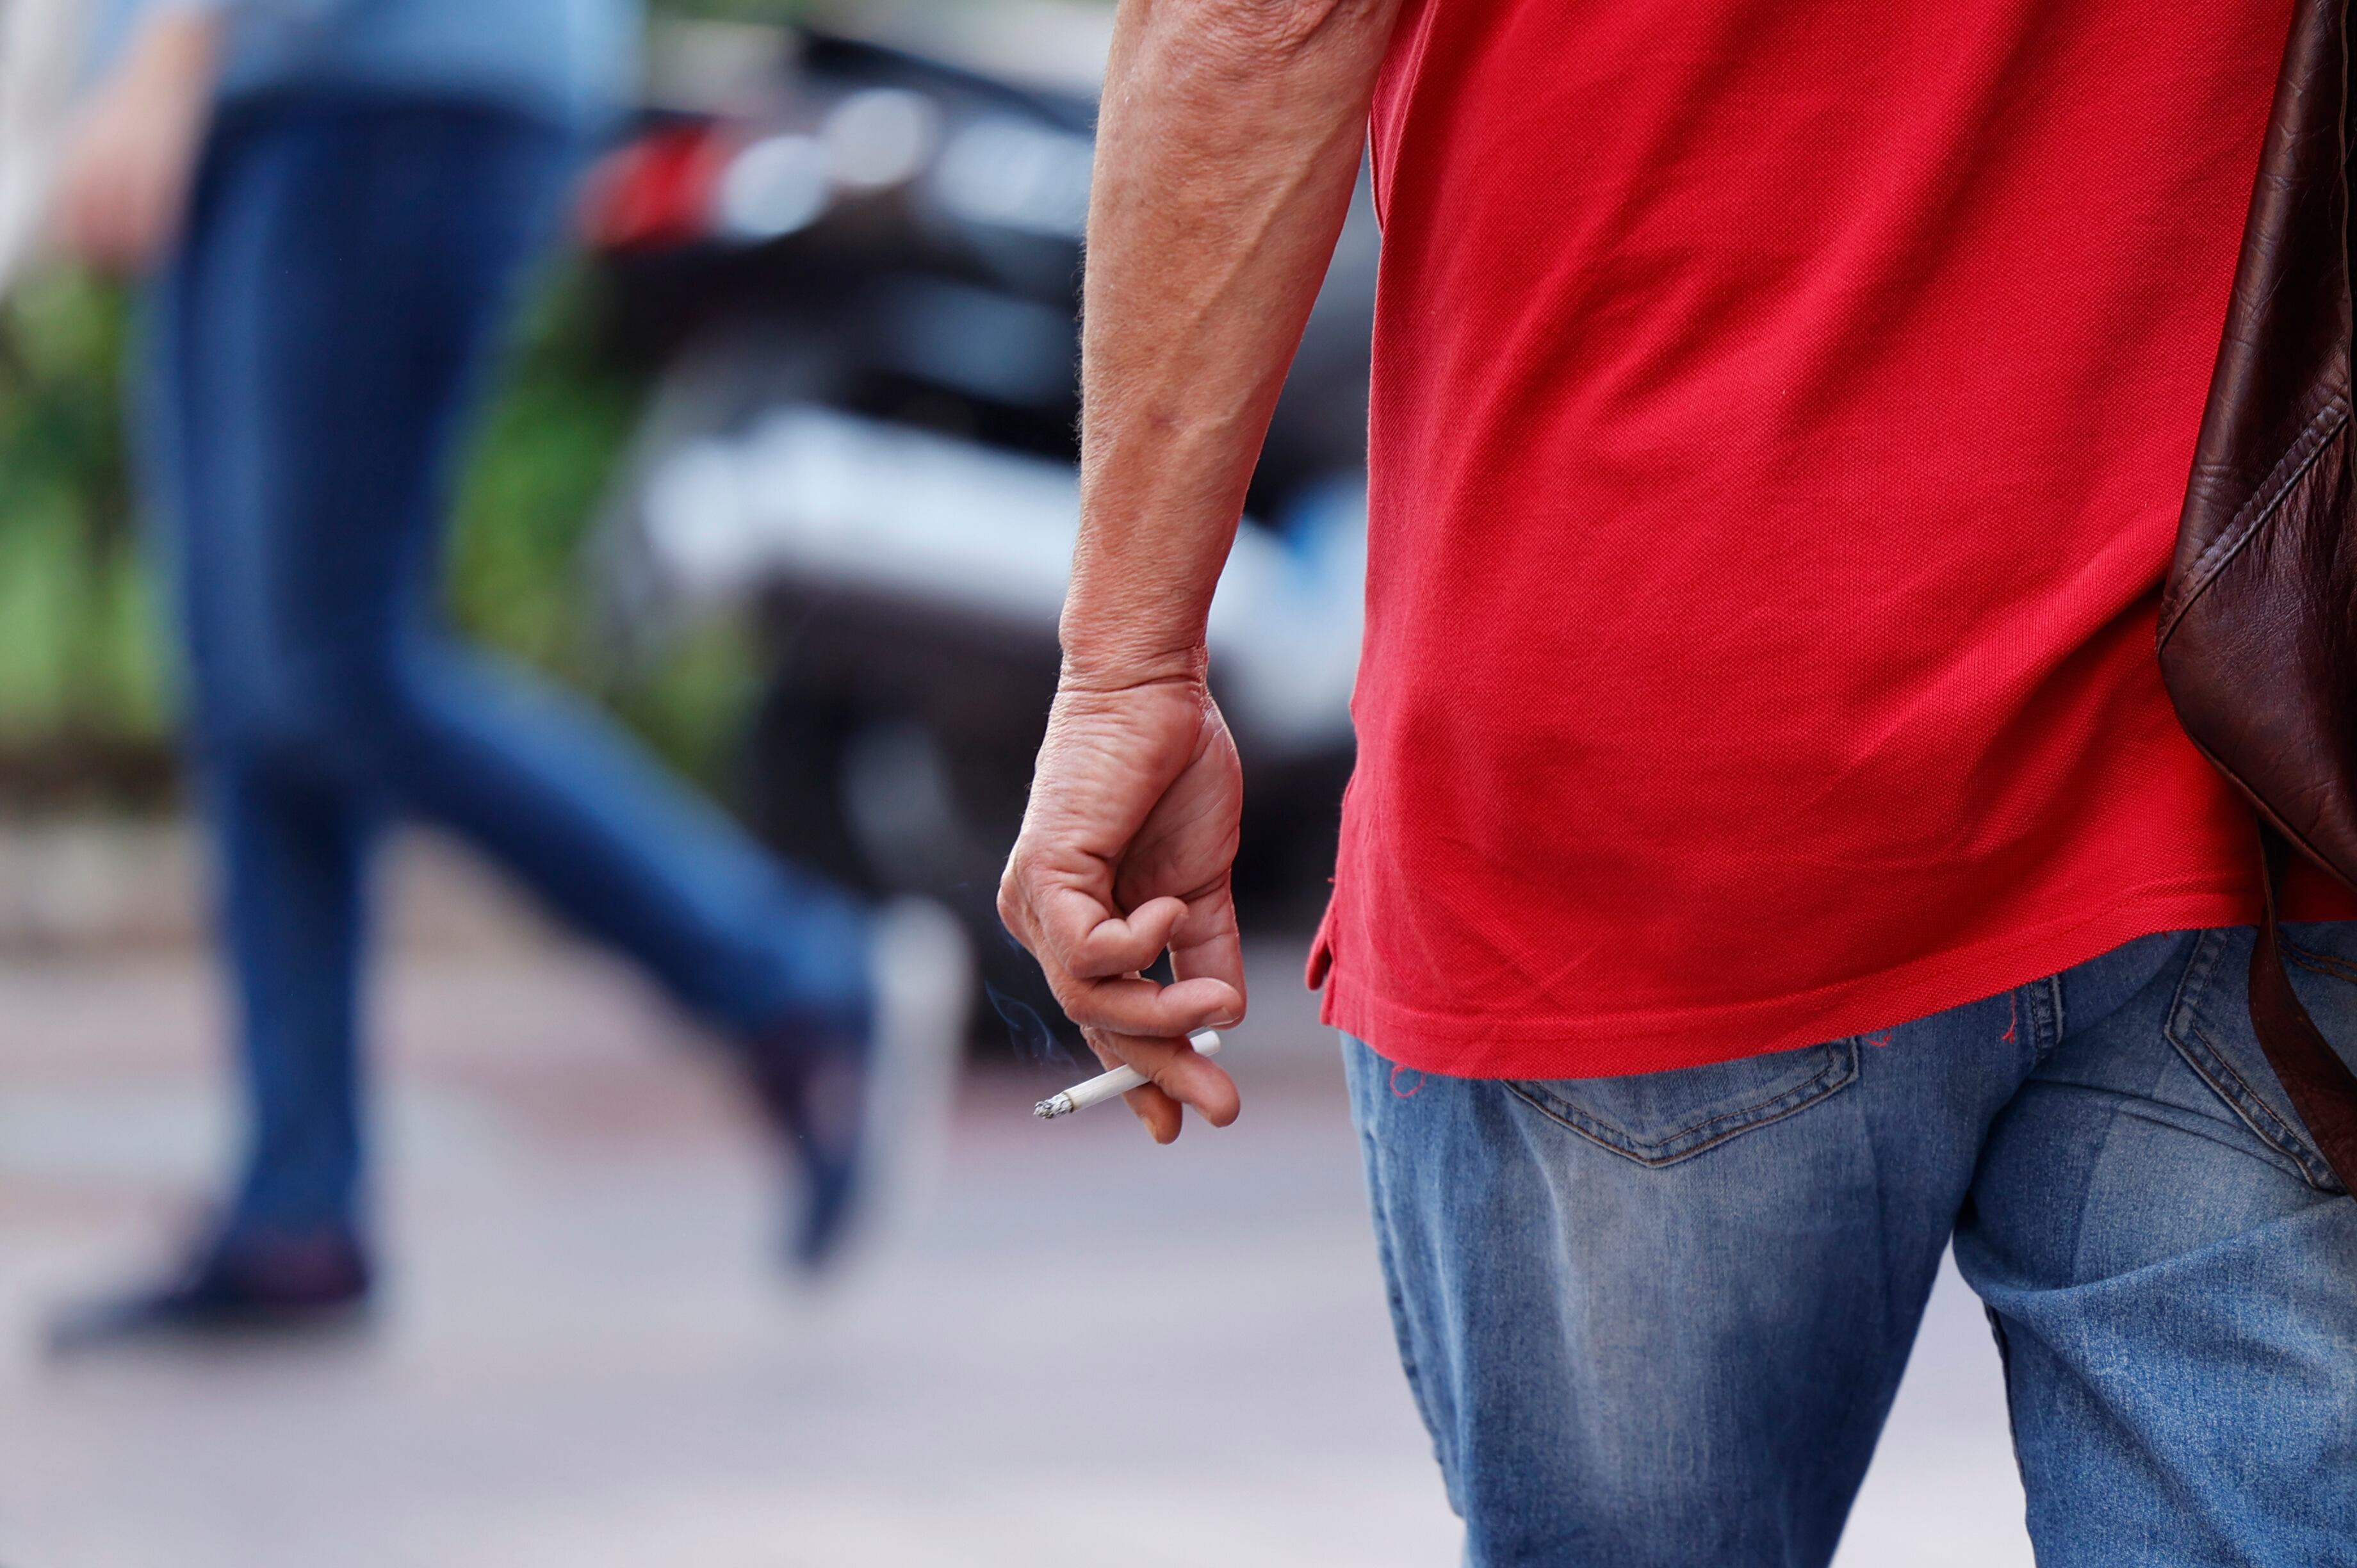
(1110, 1085)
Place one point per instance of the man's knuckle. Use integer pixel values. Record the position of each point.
(1077, 999)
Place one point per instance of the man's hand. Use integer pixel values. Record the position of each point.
(125, 178)
(1125, 853)
(1227, 143)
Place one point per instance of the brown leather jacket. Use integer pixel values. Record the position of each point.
(2258, 624)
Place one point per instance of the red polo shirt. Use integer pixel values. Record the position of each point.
(1782, 410)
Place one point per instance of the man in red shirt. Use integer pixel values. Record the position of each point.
(1771, 850)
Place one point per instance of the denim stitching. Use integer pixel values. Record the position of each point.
(2247, 1103)
(2038, 1002)
(1836, 1074)
(2321, 963)
(2202, 1054)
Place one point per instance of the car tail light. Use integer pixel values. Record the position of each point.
(656, 190)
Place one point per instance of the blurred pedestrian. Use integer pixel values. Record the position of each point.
(1772, 850)
(339, 200)
(41, 44)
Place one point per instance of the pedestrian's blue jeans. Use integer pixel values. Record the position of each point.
(1660, 1319)
(314, 351)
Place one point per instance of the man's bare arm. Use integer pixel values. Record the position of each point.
(1227, 143)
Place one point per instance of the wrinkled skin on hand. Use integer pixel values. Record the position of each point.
(1125, 852)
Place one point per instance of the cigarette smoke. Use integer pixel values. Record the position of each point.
(1034, 1042)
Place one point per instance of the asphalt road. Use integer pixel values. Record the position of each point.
(1089, 1351)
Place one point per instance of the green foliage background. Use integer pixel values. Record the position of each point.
(78, 647)
(86, 669)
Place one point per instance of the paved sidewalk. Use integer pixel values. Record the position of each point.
(1094, 1352)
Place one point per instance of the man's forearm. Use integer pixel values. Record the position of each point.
(1229, 141)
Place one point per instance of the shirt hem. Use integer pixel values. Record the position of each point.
(1613, 1045)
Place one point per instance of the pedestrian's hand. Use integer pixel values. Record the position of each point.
(125, 177)
(1125, 853)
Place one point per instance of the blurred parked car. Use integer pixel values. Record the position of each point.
(856, 278)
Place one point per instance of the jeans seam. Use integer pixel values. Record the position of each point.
(1379, 1203)
(1837, 1075)
(1397, 1299)
(2005, 1375)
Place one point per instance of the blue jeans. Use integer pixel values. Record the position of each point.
(314, 351)
(1660, 1319)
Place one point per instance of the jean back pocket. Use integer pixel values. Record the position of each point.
(1661, 1118)
(2210, 1025)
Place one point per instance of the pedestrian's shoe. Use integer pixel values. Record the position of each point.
(865, 1117)
(238, 1283)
